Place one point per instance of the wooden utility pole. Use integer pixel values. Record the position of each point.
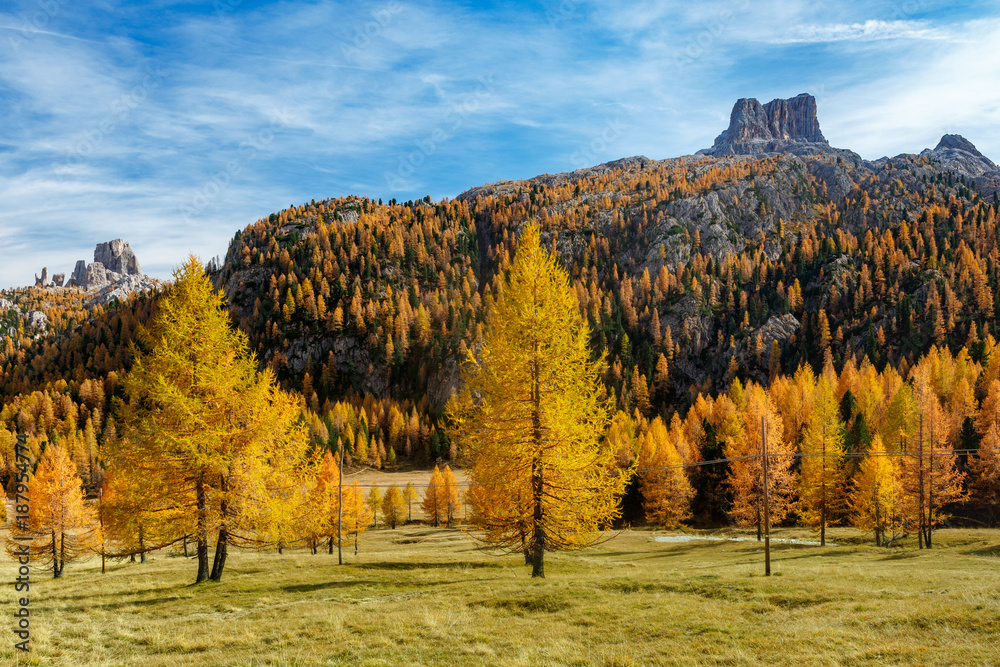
(767, 511)
(340, 507)
(100, 517)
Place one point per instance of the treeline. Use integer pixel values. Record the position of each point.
(873, 449)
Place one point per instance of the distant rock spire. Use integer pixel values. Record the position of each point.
(773, 127)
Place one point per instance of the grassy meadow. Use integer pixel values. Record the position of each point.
(423, 596)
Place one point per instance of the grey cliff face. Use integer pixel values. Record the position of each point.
(79, 277)
(779, 125)
(117, 257)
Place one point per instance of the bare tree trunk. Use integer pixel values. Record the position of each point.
(55, 557)
(537, 480)
(202, 529)
(222, 546)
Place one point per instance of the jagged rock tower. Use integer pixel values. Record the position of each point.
(777, 126)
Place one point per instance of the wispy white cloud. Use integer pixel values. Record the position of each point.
(868, 31)
(401, 99)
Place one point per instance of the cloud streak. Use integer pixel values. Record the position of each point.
(93, 149)
(869, 31)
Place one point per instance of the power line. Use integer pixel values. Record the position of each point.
(696, 464)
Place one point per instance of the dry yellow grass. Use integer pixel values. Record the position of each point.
(424, 596)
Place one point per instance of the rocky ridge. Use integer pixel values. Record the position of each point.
(779, 126)
(114, 274)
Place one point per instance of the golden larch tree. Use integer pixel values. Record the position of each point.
(821, 481)
(666, 490)
(435, 503)
(984, 470)
(875, 497)
(374, 501)
(357, 515)
(451, 497)
(746, 472)
(320, 517)
(393, 507)
(60, 523)
(530, 418)
(409, 494)
(929, 474)
(212, 447)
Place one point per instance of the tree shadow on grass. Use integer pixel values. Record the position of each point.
(309, 588)
(993, 551)
(410, 565)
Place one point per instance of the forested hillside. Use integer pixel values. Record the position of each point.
(691, 272)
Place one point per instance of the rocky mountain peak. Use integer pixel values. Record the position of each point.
(779, 125)
(959, 154)
(117, 256)
(957, 142)
(114, 274)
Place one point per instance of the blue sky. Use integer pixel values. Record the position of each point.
(172, 124)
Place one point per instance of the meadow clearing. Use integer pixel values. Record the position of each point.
(424, 596)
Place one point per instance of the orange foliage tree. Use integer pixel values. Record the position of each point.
(746, 472)
(212, 446)
(666, 491)
(60, 523)
(532, 432)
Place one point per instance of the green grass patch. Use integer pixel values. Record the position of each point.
(424, 596)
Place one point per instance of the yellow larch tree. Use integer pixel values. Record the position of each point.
(821, 481)
(393, 507)
(212, 447)
(530, 419)
(357, 515)
(435, 504)
(875, 497)
(320, 520)
(451, 497)
(374, 501)
(666, 490)
(409, 494)
(60, 523)
(746, 471)
(984, 469)
(929, 475)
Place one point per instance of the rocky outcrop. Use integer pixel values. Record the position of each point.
(120, 287)
(44, 280)
(117, 257)
(114, 274)
(957, 153)
(780, 125)
(79, 277)
(96, 276)
(37, 319)
(778, 328)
